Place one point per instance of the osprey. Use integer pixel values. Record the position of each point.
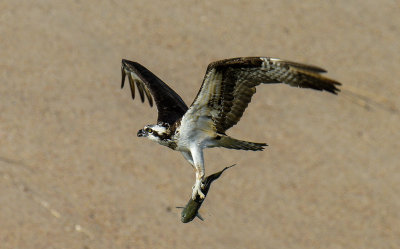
(226, 91)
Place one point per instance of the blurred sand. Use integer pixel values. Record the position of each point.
(73, 174)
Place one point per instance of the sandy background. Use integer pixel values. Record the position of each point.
(73, 174)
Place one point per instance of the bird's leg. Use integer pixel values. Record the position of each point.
(198, 160)
(198, 184)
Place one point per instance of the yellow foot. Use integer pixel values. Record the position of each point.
(197, 190)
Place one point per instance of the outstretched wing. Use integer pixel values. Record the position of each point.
(229, 85)
(169, 104)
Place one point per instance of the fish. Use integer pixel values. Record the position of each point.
(191, 210)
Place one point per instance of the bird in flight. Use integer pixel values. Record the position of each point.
(227, 89)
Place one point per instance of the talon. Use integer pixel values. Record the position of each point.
(197, 191)
(202, 196)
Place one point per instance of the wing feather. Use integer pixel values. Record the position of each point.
(132, 85)
(140, 88)
(170, 105)
(229, 85)
(148, 95)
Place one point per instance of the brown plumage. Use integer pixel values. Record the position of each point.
(229, 85)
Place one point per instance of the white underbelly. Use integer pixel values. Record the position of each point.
(196, 132)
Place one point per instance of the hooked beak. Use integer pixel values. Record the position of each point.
(141, 133)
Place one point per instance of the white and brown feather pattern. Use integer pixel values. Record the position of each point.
(229, 85)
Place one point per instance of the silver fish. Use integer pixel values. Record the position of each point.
(191, 210)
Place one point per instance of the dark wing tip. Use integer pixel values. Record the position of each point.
(149, 97)
(309, 77)
(327, 84)
(123, 76)
(335, 90)
(125, 62)
(141, 91)
(132, 85)
(331, 86)
(127, 68)
(124, 69)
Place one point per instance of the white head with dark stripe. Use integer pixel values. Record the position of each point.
(157, 132)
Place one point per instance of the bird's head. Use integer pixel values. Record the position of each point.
(156, 132)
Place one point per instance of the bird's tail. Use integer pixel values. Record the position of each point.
(232, 143)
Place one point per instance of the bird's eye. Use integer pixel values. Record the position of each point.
(149, 130)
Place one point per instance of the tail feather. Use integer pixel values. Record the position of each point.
(232, 143)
